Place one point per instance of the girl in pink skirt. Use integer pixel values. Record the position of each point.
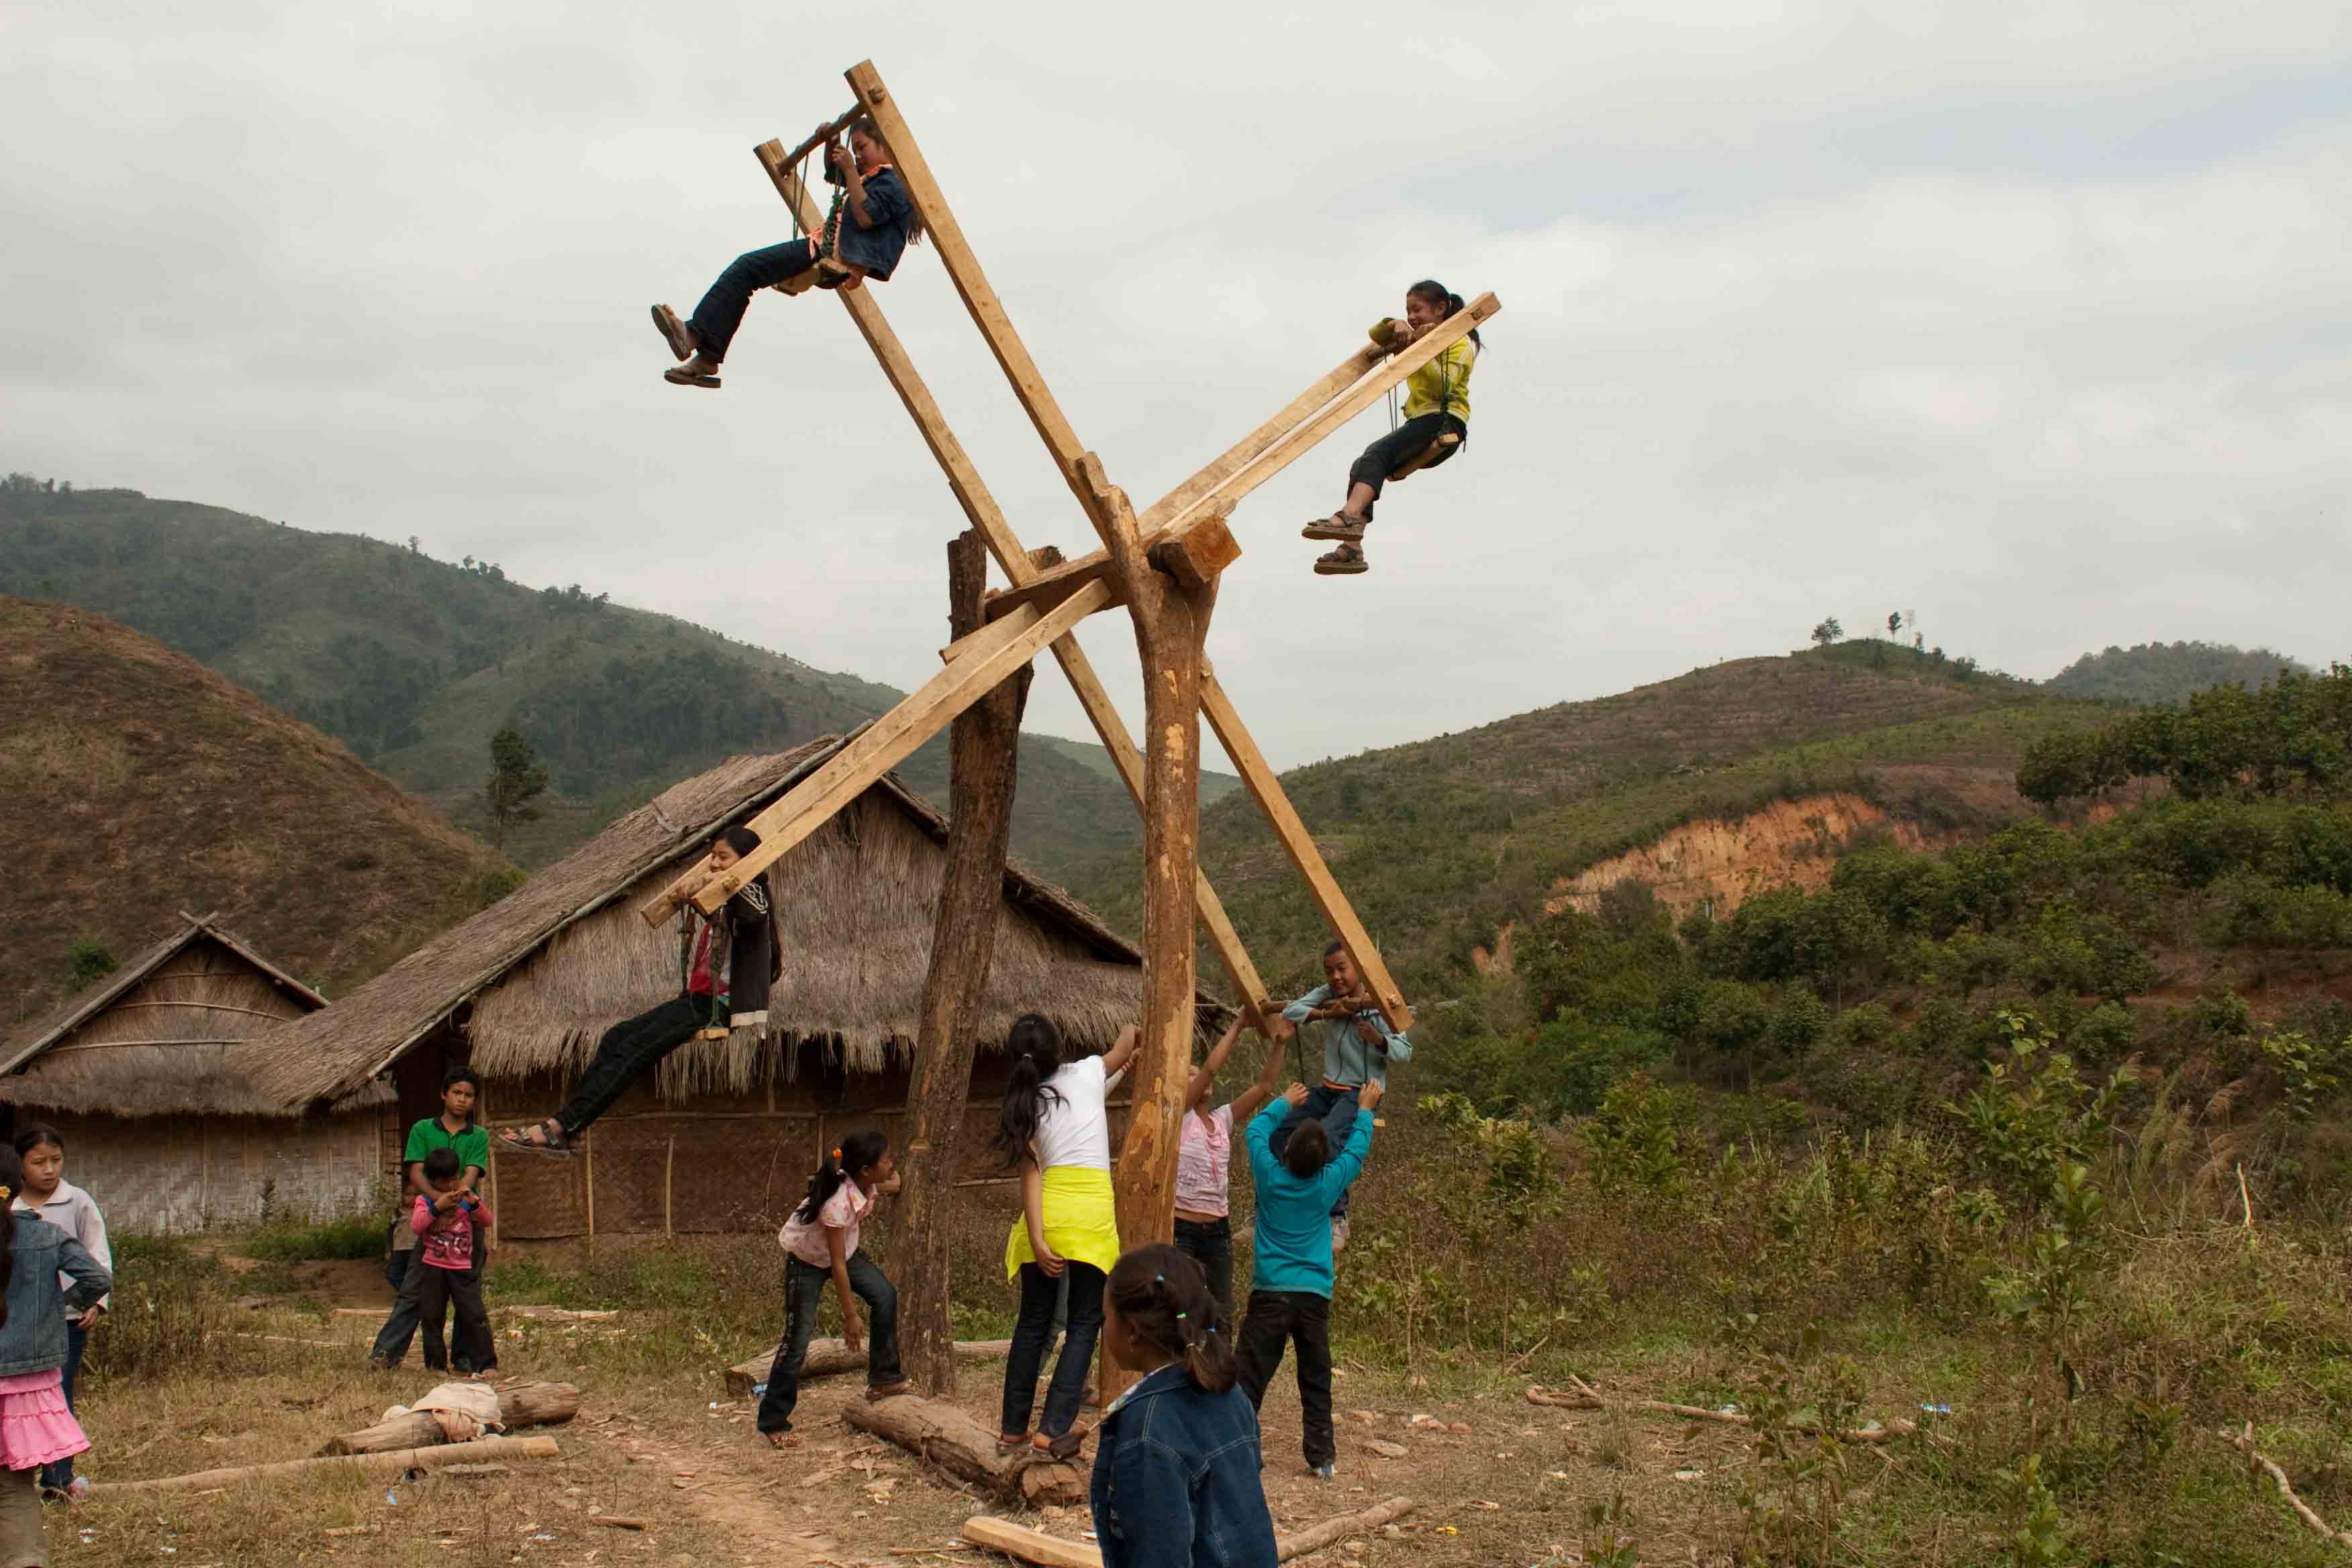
(36, 1427)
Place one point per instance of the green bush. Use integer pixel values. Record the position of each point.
(358, 1235)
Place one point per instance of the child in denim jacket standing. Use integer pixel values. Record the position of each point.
(36, 1427)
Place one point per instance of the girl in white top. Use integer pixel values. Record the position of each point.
(1054, 1126)
(49, 1194)
(1204, 1162)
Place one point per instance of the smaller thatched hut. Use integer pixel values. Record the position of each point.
(160, 1124)
(724, 1138)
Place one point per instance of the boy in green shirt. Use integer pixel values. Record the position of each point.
(456, 1130)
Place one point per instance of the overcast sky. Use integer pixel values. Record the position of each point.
(2035, 319)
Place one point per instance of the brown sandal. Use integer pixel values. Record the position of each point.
(551, 1142)
(783, 1440)
(686, 375)
(674, 333)
(1345, 527)
(1347, 561)
(875, 1392)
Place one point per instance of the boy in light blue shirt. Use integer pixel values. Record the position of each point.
(1358, 1046)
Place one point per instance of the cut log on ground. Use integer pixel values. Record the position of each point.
(2259, 1464)
(390, 1464)
(830, 1358)
(943, 1435)
(519, 1405)
(1584, 1396)
(1046, 1551)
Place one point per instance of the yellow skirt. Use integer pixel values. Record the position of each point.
(1081, 1221)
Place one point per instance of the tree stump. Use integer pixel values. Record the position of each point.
(519, 1405)
(943, 1435)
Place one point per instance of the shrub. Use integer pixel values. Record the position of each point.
(90, 960)
(357, 1235)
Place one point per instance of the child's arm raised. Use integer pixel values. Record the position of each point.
(1115, 1059)
(1205, 1077)
(1262, 1089)
(1032, 1211)
(853, 1332)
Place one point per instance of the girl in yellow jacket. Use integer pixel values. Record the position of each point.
(1437, 403)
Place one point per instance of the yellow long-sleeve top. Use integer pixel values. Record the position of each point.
(1443, 385)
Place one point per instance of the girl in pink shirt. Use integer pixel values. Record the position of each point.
(820, 1243)
(1204, 1160)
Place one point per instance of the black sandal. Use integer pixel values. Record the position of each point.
(552, 1145)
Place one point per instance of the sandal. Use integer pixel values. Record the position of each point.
(787, 1438)
(686, 375)
(1012, 1443)
(1345, 527)
(550, 1143)
(674, 333)
(1063, 1446)
(876, 1391)
(1345, 562)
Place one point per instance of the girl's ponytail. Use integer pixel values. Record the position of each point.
(1164, 1298)
(1036, 1048)
(1437, 293)
(857, 1150)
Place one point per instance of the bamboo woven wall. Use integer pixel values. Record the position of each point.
(174, 1174)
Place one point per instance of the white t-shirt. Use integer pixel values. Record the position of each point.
(1074, 1130)
(1204, 1162)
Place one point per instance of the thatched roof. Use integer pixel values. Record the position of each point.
(154, 1038)
(539, 976)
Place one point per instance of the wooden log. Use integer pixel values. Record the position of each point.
(1265, 787)
(944, 1436)
(1172, 623)
(1195, 553)
(980, 507)
(1586, 1397)
(393, 1463)
(2259, 1464)
(983, 752)
(831, 1358)
(824, 133)
(891, 738)
(519, 1405)
(1036, 1546)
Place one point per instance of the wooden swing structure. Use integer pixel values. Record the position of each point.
(1163, 566)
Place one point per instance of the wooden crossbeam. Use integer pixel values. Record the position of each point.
(1229, 462)
(987, 311)
(890, 739)
(1193, 553)
(980, 506)
(1321, 886)
(1234, 476)
(825, 133)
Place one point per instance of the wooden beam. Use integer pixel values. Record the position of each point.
(830, 1358)
(1195, 553)
(955, 254)
(942, 1433)
(1336, 381)
(890, 739)
(393, 1463)
(1299, 844)
(825, 133)
(980, 506)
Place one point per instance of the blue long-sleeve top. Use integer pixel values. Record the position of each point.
(1293, 1251)
(1346, 1056)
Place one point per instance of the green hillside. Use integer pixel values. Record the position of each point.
(2167, 672)
(414, 663)
(1442, 842)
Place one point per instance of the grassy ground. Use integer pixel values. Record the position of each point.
(1821, 1278)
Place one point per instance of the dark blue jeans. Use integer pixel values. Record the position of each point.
(1337, 1110)
(1035, 1332)
(55, 1477)
(479, 1349)
(804, 1286)
(1210, 1244)
(721, 311)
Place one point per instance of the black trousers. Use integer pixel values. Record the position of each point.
(721, 311)
(804, 1286)
(1405, 441)
(1035, 1332)
(440, 1287)
(1303, 1319)
(479, 1353)
(1210, 1244)
(630, 1049)
(1337, 1110)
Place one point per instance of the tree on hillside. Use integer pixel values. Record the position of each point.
(1893, 622)
(1828, 632)
(516, 780)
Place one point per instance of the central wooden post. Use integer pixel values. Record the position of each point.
(1169, 605)
(983, 766)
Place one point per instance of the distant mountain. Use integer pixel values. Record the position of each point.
(414, 663)
(1444, 842)
(2167, 672)
(138, 783)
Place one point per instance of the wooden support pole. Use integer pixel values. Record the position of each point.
(393, 1462)
(830, 1358)
(519, 1405)
(1258, 774)
(891, 738)
(982, 771)
(980, 506)
(1171, 624)
(1197, 551)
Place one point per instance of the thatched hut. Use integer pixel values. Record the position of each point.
(159, 1123)
(725, 1135)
